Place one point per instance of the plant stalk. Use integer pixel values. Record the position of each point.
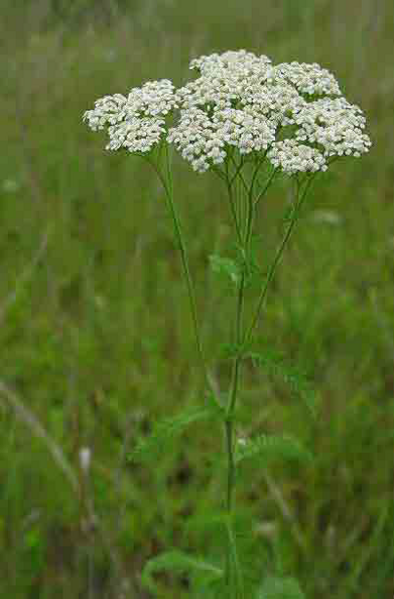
(167, 184)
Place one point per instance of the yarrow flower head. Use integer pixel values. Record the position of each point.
(204, 139)
(135, 122)
(292, 113)
(333, 125)
(293, 157)
(309, 79)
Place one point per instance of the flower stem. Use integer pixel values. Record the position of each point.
(233, 576)
(233, 571)
(275, 262)
(167, 184)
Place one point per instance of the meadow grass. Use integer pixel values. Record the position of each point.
(96, 340)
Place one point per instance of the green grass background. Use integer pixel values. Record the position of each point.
(95, 332)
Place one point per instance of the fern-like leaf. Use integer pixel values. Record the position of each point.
(267, 447)
(169, 428)
(276, 365)
(181, 563)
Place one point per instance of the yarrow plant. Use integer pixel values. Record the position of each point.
(249, 122)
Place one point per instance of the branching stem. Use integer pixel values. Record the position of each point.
(167, 184)
(243, 218)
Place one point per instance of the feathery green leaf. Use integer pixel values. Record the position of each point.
(275, 364)
(182, 563)
(267, 447)
(169, 428)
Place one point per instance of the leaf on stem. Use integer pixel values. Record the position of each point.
(248, 263)
(169, 428)
(267, 447)
(226, 267)
(209, 520)
(182, 563)
(275, 364)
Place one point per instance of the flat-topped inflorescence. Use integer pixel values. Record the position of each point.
(293, 112)
(134, 122)
(333, 125)
(204, 139)
(309, 79)
(292, 157)
(232, 60)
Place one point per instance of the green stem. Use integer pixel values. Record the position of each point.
(272, 269)
(265, 188)
(229, 185)
(232, 567)
(168, 187)
(233, 572)
(238, 172)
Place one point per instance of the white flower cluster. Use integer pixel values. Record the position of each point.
(293, 111)
(293, 157)
(136, 134)
(195, 137)
(225, 79)
(134, 122)
(334, 125)
(231, 60)
(228, 105)
(107, 111)
(154, 98)
(202, 139)
(307, 78)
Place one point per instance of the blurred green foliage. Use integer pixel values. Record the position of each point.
(95, 332)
